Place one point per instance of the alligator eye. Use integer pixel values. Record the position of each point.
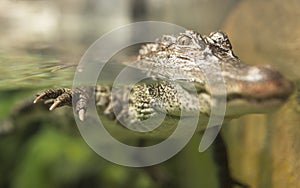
(184, 40)
(221, 40)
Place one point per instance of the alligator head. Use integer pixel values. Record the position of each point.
(209, 63)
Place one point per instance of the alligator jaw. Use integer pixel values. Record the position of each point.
(260, 90)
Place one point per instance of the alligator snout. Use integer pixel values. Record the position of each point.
(256, 89)
(266, 82)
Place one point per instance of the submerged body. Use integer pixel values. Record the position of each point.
(186, 72)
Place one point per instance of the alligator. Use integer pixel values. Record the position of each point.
(249, 89)
(185, 58)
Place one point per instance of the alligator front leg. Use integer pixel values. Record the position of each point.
(64, 96)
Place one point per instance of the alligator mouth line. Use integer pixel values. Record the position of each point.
(250, 99)
(256, 100)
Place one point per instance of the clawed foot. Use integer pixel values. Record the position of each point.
(63, 97)
(55, 97)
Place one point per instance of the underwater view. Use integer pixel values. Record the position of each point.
(42, 42)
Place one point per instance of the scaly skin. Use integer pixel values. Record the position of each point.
(250, 89)
(171, 62)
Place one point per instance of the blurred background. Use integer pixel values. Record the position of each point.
(42, 149)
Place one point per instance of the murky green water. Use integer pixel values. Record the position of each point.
(46, 149)
(52, 137)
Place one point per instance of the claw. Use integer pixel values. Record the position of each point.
(51, 94)
(63, 96)
(54, 105)
(38, 98)
(81, 114)
(49, 101)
